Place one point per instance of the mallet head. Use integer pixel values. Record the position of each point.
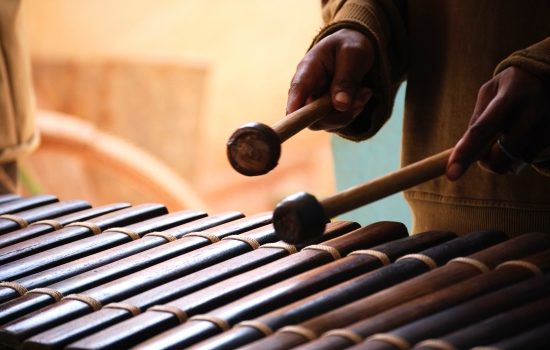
(253, 149)
(299, 218)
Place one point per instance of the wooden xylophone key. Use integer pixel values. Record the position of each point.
(535, 339)
(463, 314)
(349, 291)
(24, 203)
(41, 226)
(116, 262)
(22, 219)
(254, 148)
(301, 216)
(199, 280)
(504, 275)
(326, 278)
(8, 197)
(512, 321)
(74, 305)
(455, 271)
(177, 288)
(154, 320)
(72, 232)
(109, 238)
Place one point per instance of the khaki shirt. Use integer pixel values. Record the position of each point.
(18, 134)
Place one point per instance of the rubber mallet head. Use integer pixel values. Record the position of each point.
(299, 218)
(253, 149)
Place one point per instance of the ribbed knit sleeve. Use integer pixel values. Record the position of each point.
(382, 21)
(536, 60)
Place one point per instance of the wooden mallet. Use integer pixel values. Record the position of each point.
(301, 217)
(254, 148)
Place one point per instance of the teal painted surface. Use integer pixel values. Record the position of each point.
(355, 163)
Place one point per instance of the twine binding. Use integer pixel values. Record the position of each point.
(134, 310)
(176, 311)
(325, 248)
(212, 238)
(257, 325)
(53, 223)
(89, 225)
(130, 233)
(345, 333)
(421, 257)
(392, 339)
(22, 223)
(19, 288)
(222, 324)
(248, 240)
(384, 259)
(55, 294)
(472, 262)
(86, 299)
(167, 236)
(301, 331)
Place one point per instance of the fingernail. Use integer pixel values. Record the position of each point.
(343, 100)
(454, 171)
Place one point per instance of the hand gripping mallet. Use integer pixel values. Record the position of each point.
(301, 217)
(254, 148)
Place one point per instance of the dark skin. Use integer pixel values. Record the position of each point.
(514, 105)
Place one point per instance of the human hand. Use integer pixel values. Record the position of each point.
(338, 63)
(510, 125)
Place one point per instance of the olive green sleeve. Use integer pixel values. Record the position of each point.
(535, 59)
(382, 21)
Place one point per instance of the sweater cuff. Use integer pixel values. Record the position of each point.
(535, 59)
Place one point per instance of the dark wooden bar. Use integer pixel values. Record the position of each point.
(358, 288)
(117, 277)
(8, 197)
(464, 314)
(117, 262)
(39, 228)
(534, 339)
(289, 293)
(108, 239)
(14, 269)
(497, 327)
(70, 308)
(501, 277)
(44, 212)
(24, 203)
(154, 321)
(92, 323)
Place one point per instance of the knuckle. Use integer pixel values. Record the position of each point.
(478, 131)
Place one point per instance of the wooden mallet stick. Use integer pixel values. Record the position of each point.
(301, 217)
(254, 148)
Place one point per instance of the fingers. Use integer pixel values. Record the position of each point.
(338, 63)
(308, 81)
(485, 127)
(338, 120)
(508, 128)
(353, 61)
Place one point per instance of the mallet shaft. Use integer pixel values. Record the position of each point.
(397, 181)
(302, 118)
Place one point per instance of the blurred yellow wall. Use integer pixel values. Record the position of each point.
(251, 48)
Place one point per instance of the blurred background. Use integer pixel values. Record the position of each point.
(137, 99)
